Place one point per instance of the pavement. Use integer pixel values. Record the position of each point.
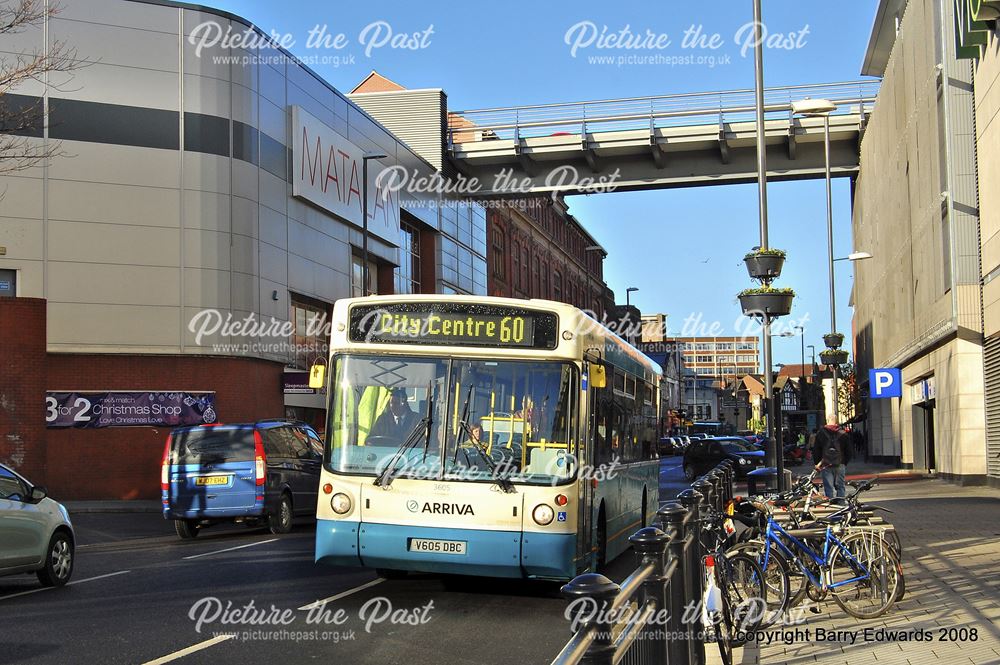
(951, 560)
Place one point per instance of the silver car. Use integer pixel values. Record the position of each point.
(36, 535)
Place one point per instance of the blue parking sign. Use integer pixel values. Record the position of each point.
(885, 383)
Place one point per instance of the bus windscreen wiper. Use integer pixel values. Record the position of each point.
(385, 477)
(502, 480)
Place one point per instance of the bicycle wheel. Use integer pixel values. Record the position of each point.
(742, 580)
(864, 575)
(724, 623)
(776, 580)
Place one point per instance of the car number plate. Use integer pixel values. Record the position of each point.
(437, 546)
(211, 480)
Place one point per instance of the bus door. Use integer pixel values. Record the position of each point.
(593, 441)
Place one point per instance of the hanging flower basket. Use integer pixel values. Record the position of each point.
(766, 300)
(764, 263)
(833, 340)
(833, 356)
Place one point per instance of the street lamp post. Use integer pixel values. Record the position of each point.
(364, 215)
(628, 295)
(823, 108)
(773, 452)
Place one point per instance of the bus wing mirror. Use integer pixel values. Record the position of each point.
(316, 375)
(598, 377)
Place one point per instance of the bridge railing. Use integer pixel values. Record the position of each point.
(649, 113)
(648, 618)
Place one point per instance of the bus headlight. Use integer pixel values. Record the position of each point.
(341, 503)
(542, 514)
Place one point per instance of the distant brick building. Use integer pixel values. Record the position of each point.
(536, 249)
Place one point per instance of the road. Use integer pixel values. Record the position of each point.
(141, 595)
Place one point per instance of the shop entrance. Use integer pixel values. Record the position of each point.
(924, 453)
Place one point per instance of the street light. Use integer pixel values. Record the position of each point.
(364, 214)
(628, 295)
(802, 367)
(813, 108)
(855, 256)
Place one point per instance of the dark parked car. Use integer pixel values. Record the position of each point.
(248, 473)
(704, 454)
(670, 445)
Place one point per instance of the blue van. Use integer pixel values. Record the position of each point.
(261, 473)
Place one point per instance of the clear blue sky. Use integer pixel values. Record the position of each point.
(515, 52)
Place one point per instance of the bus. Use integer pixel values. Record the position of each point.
(483, 436)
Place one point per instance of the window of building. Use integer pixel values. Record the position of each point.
(536, 279)
(525, 270)
(724, 346)
(517, 266)
(704, 359)
(357, 277)
(408, 272)
(557, 286)
(745, 346)
(499, 255)
(310, 330)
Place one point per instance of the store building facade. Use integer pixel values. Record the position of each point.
(196, 191)
(919, 300)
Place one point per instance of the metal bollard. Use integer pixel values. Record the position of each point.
(602, 592)
(693, 500)
(651, 545)
(703, 487)
(673, 516)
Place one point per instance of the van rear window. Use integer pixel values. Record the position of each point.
(211, 445)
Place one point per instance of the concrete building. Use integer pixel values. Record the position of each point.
(192, 179)
(984, 50)
(720, 359)
(919, 301)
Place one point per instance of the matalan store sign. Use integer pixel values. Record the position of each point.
(327, 171)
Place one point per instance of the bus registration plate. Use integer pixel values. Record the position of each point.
(437, 546)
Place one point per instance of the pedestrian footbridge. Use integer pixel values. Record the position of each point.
(680, 140)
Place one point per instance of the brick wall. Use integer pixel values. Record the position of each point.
(22, 384)
(124, 462)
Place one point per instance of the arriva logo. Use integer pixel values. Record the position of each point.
(446, 508)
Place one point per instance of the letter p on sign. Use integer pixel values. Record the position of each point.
(885, 383)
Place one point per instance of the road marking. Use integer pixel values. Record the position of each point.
(49, 588)
(342, 594)
(230, 549)
(194, 648)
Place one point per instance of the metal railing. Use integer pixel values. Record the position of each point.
(644, 620)
(649, 113)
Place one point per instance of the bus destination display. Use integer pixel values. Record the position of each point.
(453, 324)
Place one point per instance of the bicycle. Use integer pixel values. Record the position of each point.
(858, 568)
(733, 586)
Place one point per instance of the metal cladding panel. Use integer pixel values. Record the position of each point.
(991, 371)
(416, 117)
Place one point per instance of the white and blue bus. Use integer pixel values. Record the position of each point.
(483, 436)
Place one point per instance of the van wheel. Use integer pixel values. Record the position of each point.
(187, 529)
(280, 521)
(58, 561)
(689, 472)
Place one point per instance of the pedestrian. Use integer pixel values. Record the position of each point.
(832, 453)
